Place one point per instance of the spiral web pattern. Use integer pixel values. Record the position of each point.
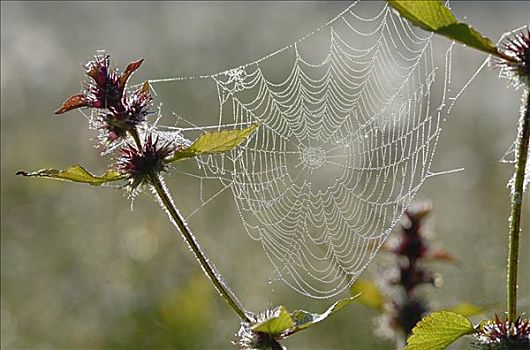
(346, 138)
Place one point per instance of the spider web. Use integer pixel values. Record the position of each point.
(346, 138)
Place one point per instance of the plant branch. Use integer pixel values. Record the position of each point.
(134, 133)
(166, 202)
(177, 219)
(517, 201)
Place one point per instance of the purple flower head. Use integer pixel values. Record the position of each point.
(141, 165)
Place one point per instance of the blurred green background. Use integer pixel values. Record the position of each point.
(80, 270)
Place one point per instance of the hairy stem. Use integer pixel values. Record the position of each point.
(166, 202)
(177, 219)
(517, 201)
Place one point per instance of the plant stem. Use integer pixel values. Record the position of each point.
(517, 201)
(166, 202)
(136, 137)
(174, 215)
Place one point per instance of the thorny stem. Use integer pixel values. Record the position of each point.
(517, 201)
(176, 218)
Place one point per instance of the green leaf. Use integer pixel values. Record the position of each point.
(369, 294)
(75, 173)
(214, 142)
(280, 322)
(304, 319)
(433, 16)
(468, 310)
(438, 330)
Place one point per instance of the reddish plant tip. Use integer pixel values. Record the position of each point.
(98, 69)
(73, 102)
(106, 88)
(120, 110)
(131, 68)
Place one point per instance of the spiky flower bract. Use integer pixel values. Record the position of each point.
(114, 123)
(117, 111)
(517, 70)
(141, 165)
(500, 334)
(106, 87)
